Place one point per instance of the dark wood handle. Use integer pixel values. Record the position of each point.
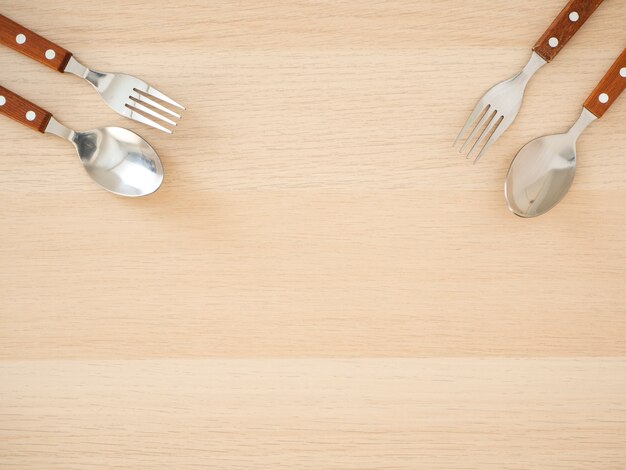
(570, 20)
(23, 111)
(28, 43)
(609, 88)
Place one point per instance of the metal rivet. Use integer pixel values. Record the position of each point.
(30, 115)
(604, 98)
(50, 54)
(574, 16)
(622, 72)
(20, 39)
(553, 42)
(2, 100)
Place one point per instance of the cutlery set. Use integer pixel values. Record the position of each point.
(122, 162)
(117, 159)
(543, 170)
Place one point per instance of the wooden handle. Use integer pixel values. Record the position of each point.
(609, 88)
(28, 43)
(23, 111)
(570, 20)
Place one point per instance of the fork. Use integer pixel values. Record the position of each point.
(497, 109)
(127, 95)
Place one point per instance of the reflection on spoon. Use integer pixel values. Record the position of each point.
(543, 171)
(117, 159)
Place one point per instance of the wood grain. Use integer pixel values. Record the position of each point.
(315, 413)
(565, 26)
(32, 45)
(612, 85)
(322, 281)
(18, 108)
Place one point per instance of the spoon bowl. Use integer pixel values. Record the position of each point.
(117, 159)
(542, 172)
(540, 175)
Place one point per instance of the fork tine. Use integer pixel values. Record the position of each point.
(157, 94)
(498, 130)
(488, 115)
(486, 131)
(145, 109)
(470, 120)
(143, 119)
(144, 99)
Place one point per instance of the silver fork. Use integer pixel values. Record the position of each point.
(125, 94)
(129, 96)
(498, 108)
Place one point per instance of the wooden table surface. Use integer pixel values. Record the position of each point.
(322, 281)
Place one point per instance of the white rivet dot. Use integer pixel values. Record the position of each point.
(20, 39)
(50, 54)
(553, 42)
(573, 16)
(622, 72)
(604, 98)
(30, 115)
(2, 100)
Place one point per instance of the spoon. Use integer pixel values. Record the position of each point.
(542, 172)
(117, 159)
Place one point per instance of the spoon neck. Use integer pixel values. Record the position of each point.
(586, 118)
(58, 129)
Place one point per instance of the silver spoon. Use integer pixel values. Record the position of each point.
(542, 172)
(117, 159)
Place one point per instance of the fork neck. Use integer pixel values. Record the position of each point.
(534, 63)
(78, 69)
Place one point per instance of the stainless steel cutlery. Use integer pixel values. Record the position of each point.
(543, 170)
(127, 95)
(123, 163)
(497, 109)
(117, 159)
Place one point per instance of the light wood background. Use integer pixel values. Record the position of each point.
(322, 281)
